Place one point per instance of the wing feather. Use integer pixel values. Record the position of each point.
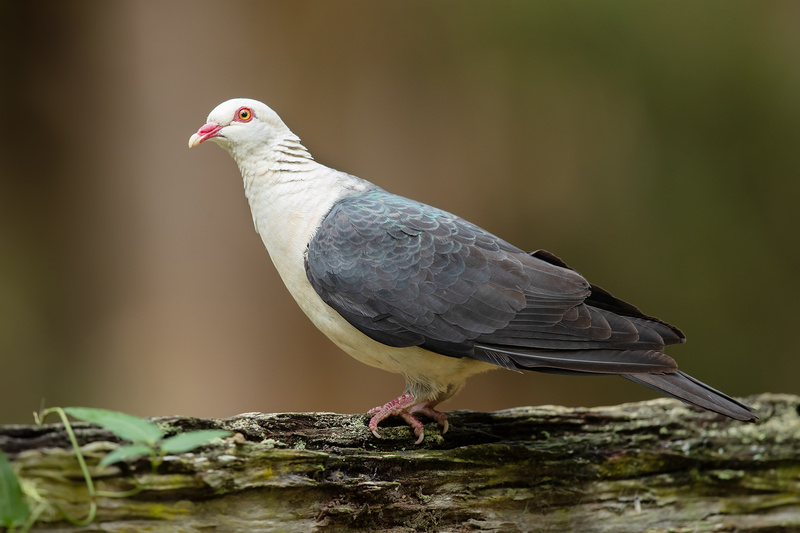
(408, 274)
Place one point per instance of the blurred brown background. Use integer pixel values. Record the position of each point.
(653, 146)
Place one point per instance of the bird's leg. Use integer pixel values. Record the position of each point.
(403, 406)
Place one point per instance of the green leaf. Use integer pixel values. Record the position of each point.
(125, 426)
(13, 507)
(123, 453)
(190, 440)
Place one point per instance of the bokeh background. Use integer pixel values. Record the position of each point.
(652, 146)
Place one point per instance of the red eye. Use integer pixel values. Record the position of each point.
(244, 114)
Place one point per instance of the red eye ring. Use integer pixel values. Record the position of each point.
(243, 114)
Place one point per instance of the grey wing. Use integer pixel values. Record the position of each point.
(601, 334)
(407, 274)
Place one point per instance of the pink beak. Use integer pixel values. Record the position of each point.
(203, 134)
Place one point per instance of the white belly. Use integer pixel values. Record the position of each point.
(430, 376)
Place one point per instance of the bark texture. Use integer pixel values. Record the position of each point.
(652, 466)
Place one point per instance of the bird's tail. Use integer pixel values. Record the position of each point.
(694, 392)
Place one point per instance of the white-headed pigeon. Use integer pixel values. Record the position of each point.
(415, 290)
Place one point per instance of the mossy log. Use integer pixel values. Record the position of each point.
(650, 466)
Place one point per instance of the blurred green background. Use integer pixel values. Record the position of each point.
(652, 146)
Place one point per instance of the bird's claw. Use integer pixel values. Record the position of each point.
(438, 416)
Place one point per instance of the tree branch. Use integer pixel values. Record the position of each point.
(650, 466)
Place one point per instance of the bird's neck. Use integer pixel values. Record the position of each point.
(283, 154)
(286, 177)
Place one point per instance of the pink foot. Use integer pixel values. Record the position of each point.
(403, 406)
(438, 416)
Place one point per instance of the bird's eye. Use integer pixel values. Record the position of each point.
(244, 114)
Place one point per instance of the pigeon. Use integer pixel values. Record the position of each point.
(415, 290)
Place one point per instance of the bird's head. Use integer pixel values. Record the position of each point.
(241, 125)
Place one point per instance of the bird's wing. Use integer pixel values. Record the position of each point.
(407, 274)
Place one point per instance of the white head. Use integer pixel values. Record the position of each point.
(242, 127)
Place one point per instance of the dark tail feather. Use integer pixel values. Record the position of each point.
(687, 389)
